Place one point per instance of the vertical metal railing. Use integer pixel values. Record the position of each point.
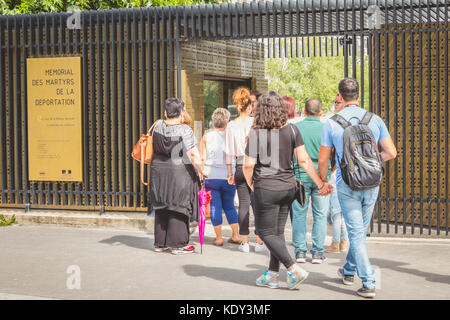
(132, 61)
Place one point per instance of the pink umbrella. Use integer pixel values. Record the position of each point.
(202, 198)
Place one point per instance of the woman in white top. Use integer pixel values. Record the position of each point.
(222, 193)
(236, 137)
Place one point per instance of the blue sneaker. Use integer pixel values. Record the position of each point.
(268, 279)
(295, 277)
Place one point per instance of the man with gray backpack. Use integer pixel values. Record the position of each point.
(356, 134)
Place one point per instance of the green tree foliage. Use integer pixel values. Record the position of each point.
(38, 6)
(211, 99)
(314, 77)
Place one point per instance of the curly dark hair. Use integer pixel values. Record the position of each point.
(271, 112)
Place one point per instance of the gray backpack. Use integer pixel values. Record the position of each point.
(361, 164)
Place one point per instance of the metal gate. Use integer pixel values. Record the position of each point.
(397, 49)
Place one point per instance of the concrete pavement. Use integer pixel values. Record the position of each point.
(140, 221)
(39, 262)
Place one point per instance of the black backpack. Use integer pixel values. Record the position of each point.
(361, 164)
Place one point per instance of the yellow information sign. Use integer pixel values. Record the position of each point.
(54, 119)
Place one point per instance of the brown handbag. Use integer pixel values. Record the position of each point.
(143, 151)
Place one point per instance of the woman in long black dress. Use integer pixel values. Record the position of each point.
(174, 180)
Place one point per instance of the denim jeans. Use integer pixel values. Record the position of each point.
(357, 209)
(335, 219)
(222, 197)
(320, 206)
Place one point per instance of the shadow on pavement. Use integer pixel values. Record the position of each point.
(242, 277)
(145, 243)
(329, 283)
(400, 267)
(248, 277)
(208, 241)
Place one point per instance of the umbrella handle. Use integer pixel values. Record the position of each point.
(202, 182)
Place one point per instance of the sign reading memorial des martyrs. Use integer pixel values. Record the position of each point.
(54, 119)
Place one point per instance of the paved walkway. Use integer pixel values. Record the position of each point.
(116, 264)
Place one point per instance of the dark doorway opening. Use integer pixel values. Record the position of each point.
(218, 91)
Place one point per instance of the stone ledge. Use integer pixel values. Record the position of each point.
(120, 220)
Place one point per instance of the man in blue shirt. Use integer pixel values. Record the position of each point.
(356, 206)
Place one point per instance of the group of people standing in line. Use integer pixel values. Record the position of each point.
(260, 155)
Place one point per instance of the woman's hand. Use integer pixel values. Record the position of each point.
(194, 157)
(186, 119)
(247, 168)
(230, 175)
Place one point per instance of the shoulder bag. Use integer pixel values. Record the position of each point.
(143, 150)
(300, 194)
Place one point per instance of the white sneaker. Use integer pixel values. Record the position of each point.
(244, 247)
(295, 277)
(260, 247)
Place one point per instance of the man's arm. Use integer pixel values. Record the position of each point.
(326, 147)
(307, 165)
(324, 158)
(389, 151)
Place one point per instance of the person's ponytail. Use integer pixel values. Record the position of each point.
(241, 98)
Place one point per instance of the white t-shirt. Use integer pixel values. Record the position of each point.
(236, 136)
(215, 163)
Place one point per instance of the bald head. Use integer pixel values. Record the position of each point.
(313, 107)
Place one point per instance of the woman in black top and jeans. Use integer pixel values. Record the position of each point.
(269, 172)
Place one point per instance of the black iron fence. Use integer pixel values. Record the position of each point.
(131, 61)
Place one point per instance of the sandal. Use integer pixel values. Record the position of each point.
(234, 241)
(218, 243)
